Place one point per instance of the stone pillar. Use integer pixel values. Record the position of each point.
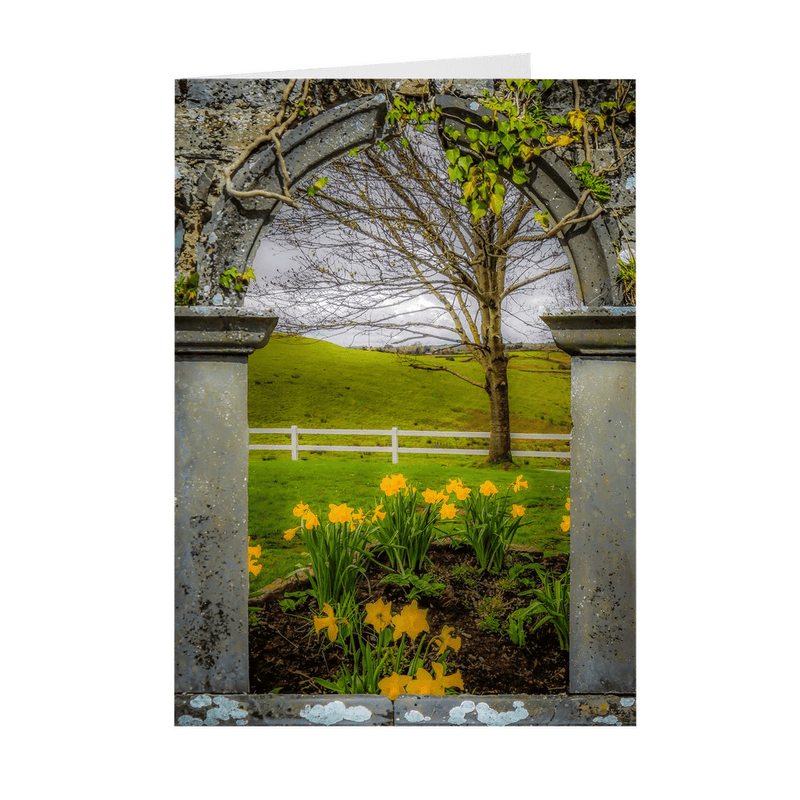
(211, 456)
(602, 343)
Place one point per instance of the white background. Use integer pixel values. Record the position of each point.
(87, 595)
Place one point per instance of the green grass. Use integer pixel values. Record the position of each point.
(311, 383)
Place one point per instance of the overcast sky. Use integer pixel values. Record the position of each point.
(520, 323)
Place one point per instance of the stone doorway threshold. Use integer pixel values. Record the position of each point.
(408, 710)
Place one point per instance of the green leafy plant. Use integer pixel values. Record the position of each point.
(415, 585)
(599, 187)
(550, 605)
(235, 280)
(627, 277)
(337, 551)
(490, 524)
(404, 534)
(186, 289)
(382, 652)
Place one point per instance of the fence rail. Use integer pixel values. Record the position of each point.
(294, 432)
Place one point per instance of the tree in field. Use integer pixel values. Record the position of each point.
(385, 234)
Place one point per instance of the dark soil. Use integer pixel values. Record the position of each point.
(286, 654)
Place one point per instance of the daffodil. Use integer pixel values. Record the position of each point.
(422, 683)
(565, 524)
(566, 505)
(519, 484)
(311, 520)
(378, 514)
(447, 511)
(411, 621)
(379, 614)
(517, 511)
(462, 492)
(289, 534)
(358, 517)
(300, 510)
(431, 496)
(340, 513)
(393, 685)
(445, 640)
(488, 489)
(253, 553)
(329, 621)
(454, 485)
(392, 485)
(443, 682)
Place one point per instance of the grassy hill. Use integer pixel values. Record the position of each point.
(310, 383)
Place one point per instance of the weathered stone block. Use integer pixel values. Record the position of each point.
(211, 446)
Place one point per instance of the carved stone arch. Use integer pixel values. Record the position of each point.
(231, 237)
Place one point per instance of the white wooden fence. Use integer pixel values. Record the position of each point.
(294, 432)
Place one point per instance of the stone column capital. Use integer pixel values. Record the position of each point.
(221, 331)
(602, 332)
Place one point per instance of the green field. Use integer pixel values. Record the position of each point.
(311, 383)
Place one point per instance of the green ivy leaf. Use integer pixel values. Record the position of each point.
(519, 177)
(455, 174)
(452, 154)
(496, 203)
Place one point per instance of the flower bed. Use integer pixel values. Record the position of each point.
(391, 608)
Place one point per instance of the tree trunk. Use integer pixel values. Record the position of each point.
(497, 389)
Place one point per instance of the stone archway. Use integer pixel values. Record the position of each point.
(232, 235)
(213, 340)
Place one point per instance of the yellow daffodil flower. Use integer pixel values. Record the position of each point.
(378, 514)
(565, 524)
(445, 640)
(442, 681)
(289, 534)
(393, 685)
(517, 511)
(462, 492)
(358, 516)
(454, 485)
(311, 520)
(519, 484)
(447, 511)
(379, 614)
(252, 554)
(392, 485)
(329, 621)
(432, 496)
(340, 513)
(411, 621)
(488, 489)
(423, 683)
(300, 509)
(566, 505)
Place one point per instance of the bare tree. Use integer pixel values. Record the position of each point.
(387, 237)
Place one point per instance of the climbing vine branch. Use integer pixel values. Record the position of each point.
(281, 124)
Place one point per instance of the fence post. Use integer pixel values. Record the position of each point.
(294, 443)
(395, 454)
